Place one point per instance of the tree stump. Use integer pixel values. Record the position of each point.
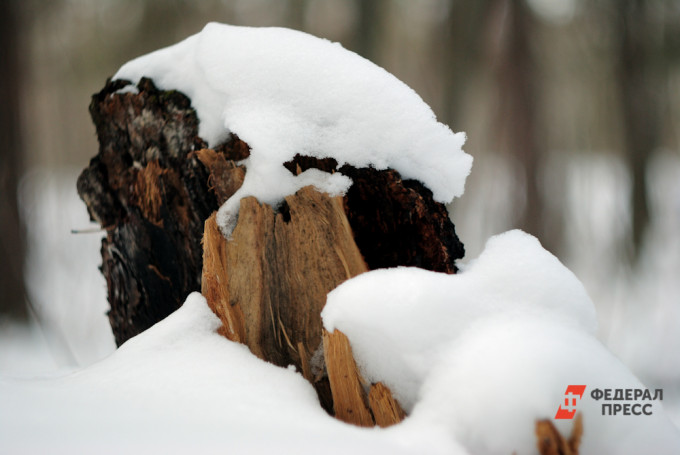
(153, 187)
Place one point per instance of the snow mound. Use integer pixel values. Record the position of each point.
(179, 387)
(399, 320)
(286, 92)
(474, 366)
(485, 353)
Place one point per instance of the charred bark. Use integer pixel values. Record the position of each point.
(151, 194)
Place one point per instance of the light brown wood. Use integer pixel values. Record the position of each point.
(268, 284)
(225, 176)
(576, 434)
(386, 410)
(215, 282)
(349, 398)
(551, 442)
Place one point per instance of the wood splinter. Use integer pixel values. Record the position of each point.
(551, 442)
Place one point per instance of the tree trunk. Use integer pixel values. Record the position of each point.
(516, 121)
(639, 102)
(12, 248)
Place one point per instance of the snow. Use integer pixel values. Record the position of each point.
(285, 92)
(487, 352)
(476, 357)
(180, 386)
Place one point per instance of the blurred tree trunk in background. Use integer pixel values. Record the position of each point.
(12, 249)
(369, 25)
(515, 125)
(462, 46)
(296, 14)
(639, 102)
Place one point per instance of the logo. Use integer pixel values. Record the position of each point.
(567, 409)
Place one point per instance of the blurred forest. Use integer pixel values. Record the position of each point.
(571, 107)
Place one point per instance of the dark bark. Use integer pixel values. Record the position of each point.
(397, 222)
(12, 248)
(151, 194)
(153, 184)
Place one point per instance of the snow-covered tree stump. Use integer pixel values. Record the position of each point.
(153, 186)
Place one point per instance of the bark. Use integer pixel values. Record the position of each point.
(151, 194)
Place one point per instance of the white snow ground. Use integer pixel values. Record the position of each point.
(177, 388)
(180, 387)
(100, 408)
(476, 357)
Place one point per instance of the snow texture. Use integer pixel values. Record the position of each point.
(286, 92)
(485, 353)
(180, 387)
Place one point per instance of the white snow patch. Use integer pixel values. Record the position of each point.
(286, 92)
(181, 387)
(485, 353)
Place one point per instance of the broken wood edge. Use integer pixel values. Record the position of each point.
(386, 409)
(551, 442)
(214, 282)
(351, 403)
(350, 398)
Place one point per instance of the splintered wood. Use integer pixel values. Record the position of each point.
(268, 284)
(551, 442)
(386, 410)
(351, 403)
(275, 271)
(349, 399)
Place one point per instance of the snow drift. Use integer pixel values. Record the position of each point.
(485, 353)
